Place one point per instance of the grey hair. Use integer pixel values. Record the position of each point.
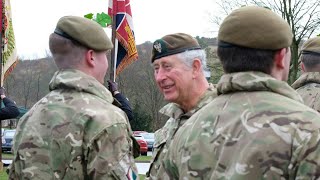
(187, 57)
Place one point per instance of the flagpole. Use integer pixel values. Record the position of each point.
(113, 51)
(1, 69)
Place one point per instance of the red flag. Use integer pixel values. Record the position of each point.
(125, 46)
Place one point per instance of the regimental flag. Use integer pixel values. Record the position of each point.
(9, 52)
(125, 46)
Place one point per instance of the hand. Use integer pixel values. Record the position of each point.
(2, 91)
(112, 86)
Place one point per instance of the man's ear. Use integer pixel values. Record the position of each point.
(279, 58)
(196, 67)
(302, 67)
(90, 59)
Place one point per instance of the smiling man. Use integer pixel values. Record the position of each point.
(179, 64)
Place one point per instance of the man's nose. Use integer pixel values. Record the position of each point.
(160, 75)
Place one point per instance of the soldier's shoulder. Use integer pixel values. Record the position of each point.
(309, 87)
(109, 115)
(161, 134)
(103, 117)
(170, 109)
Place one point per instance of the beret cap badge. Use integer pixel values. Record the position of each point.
(157, 46)
(173, 44)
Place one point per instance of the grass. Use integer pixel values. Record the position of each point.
(7, 156)
(141, 176)
(3, 174)
(143, 159)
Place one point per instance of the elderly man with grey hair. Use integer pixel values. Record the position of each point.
(179, 65)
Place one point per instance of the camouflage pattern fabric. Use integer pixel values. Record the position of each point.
(308, 86)
(74, 132)
(167, 132)
(257, 128)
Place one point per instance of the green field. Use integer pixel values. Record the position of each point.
(7, 156)
(141, 177)
(143, 159)
(3, 174)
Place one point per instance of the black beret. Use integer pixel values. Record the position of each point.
(173, 44)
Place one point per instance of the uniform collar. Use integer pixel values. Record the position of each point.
(77, 80)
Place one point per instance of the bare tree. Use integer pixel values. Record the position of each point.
(303, 16)
(29, 81)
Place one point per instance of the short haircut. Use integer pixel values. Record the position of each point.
(188, 57)
(240, 59)
(65, 52)
(310, 61)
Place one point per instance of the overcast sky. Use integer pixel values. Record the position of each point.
(34, 20)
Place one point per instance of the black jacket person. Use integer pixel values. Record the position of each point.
(10, 109)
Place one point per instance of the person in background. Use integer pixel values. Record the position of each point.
(179, 64)
(75, 132)
(308, 84)
(122, 101)
(258, 127)
(10, 109)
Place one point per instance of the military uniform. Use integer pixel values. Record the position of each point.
(164, 135)
(255, 129)
(308, 86)
(73, 133)
(258, 127)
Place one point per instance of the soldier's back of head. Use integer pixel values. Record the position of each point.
(257, 128)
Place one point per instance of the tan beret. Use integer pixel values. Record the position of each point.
(311, 46)
(86, 32)
(255, 27)
(173, 44)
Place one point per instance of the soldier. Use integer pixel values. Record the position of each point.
(74, 132)
(120, 100)
(257, 128)
(179, 64)
(308, 84)
(10, 109)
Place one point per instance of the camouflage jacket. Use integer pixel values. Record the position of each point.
(176, 118)
(308, 86)
(257, 128)
(74, 132)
